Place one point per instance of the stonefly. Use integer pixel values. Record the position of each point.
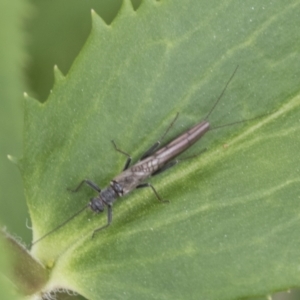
(154, 161)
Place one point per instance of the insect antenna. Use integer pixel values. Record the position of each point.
(221, 95)
(59, 226)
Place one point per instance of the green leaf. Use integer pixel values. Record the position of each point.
(231, 227)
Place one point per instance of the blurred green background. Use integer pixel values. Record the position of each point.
(34, 36)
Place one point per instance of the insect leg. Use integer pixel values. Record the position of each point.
(88, 182)
(128, 161)
(109, 219)
(147, 184)
(154, 147)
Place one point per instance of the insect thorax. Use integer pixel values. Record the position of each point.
(109, 195)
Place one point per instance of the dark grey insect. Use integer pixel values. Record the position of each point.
(154, 161)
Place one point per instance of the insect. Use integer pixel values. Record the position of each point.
(154, 161)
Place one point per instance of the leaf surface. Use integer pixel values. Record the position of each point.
(232, 225)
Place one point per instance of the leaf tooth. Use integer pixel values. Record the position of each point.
(58, 75)
(126, 7)
(126, 10)
(18, 161)
(13, 159)
(31, 100)
(31, 105)
(98, 22)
